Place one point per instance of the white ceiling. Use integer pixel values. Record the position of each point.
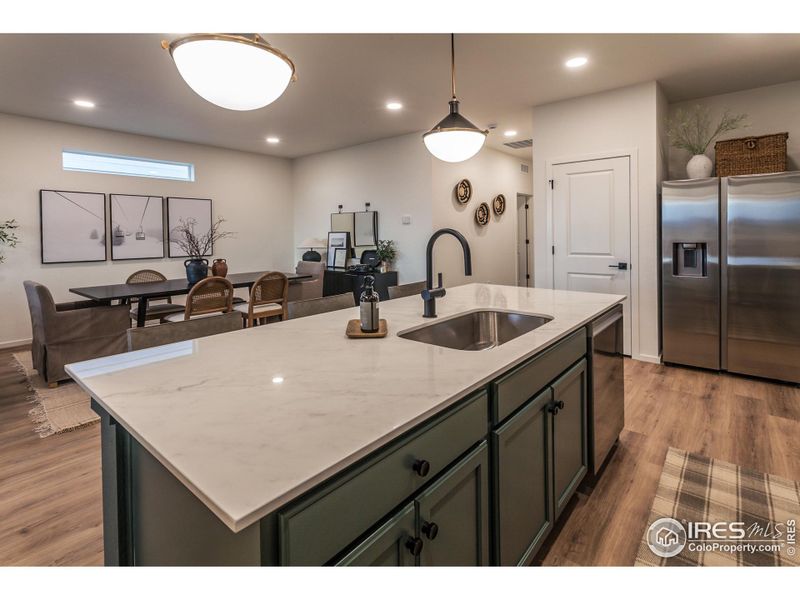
(344, 82)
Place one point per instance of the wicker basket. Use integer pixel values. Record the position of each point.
(751, 155)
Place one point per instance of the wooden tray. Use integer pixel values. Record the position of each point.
(354, 330)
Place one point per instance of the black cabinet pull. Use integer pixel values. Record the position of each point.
(414, 546)
(421, 467)
(431, 530)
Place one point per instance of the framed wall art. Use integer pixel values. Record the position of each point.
(196, 211)
(137, 226)
(73, 226)
(340, 258)
(337, 240)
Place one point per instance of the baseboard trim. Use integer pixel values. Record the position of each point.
(649, 358)
(14, 343)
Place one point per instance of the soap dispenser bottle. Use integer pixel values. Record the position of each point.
(370, 320)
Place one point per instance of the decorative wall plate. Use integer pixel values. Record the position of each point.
(463, 191)
(499, 204)
(482, 214)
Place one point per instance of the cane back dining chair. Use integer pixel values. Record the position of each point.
(210, 296)
(267, 299)
(154, 310)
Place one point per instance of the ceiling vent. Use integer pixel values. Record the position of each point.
(519, 144)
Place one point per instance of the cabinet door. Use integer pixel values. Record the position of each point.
(523, 491)
(454, 514)
(392, 545)
(570, 444)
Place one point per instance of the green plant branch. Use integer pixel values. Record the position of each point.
(387, 251)
(690, 129)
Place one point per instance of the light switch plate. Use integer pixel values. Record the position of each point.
(406, 219)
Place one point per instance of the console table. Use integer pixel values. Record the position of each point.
(339, 281)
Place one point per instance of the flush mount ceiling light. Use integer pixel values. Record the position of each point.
(578, 61)
(83, 103)
(454, 138)
(394, 105)
(237, 72)
(273, 140)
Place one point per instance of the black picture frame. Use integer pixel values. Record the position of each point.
(172, 223)
(164, 240)
(331, 257)
(340, 256)
(44, 232)
(369, 240)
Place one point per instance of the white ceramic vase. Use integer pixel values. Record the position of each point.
(699, 166)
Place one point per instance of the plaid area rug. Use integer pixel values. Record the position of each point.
(55, 410)
(710, 512)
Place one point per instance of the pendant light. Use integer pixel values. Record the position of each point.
(238, 72)
(454, 138)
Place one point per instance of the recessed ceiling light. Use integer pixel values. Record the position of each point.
(510, 133)
(83, 103)
(578, 61)
(394, 105)
(273, 140)
(277, 379)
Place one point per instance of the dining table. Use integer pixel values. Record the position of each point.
(142, 293)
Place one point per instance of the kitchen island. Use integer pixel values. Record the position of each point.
(292, 444)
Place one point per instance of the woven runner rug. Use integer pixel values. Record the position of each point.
(710, 512)
(55, 410)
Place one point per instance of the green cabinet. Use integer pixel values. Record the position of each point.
(522, 450)
(570, 439)
(447, 524)
(453, 514)
(394, 544)
(540, 456)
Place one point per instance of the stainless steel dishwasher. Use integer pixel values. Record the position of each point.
(606, 406)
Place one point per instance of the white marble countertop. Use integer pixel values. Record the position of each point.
(250, 420)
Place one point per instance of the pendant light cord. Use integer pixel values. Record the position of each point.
(453, 65)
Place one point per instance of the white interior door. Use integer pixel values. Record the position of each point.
(592, 229)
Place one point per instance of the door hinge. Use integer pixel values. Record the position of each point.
(552, 183)
(526, 207)
(553, 249)
(527, 275)
(527, 241)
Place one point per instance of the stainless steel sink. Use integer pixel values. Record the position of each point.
(476, 330)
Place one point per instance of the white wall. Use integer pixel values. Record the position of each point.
(398, 176)
(494, 246)
(620, 120)
(252, 191)
(770, 109)
(394, 175)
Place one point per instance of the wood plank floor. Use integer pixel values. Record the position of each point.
(50, 499)
(744, 421)
(50, 502)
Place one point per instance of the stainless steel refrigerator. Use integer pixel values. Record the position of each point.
(730, 274)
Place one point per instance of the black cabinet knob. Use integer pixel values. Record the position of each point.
(431, 530)
(414, 546)
(553, 409)
(421, 467)
(560, 404)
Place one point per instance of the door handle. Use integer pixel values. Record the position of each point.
(622, 266)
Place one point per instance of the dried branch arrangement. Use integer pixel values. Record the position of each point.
(198, 245)
(690, 129)
(7, 235)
